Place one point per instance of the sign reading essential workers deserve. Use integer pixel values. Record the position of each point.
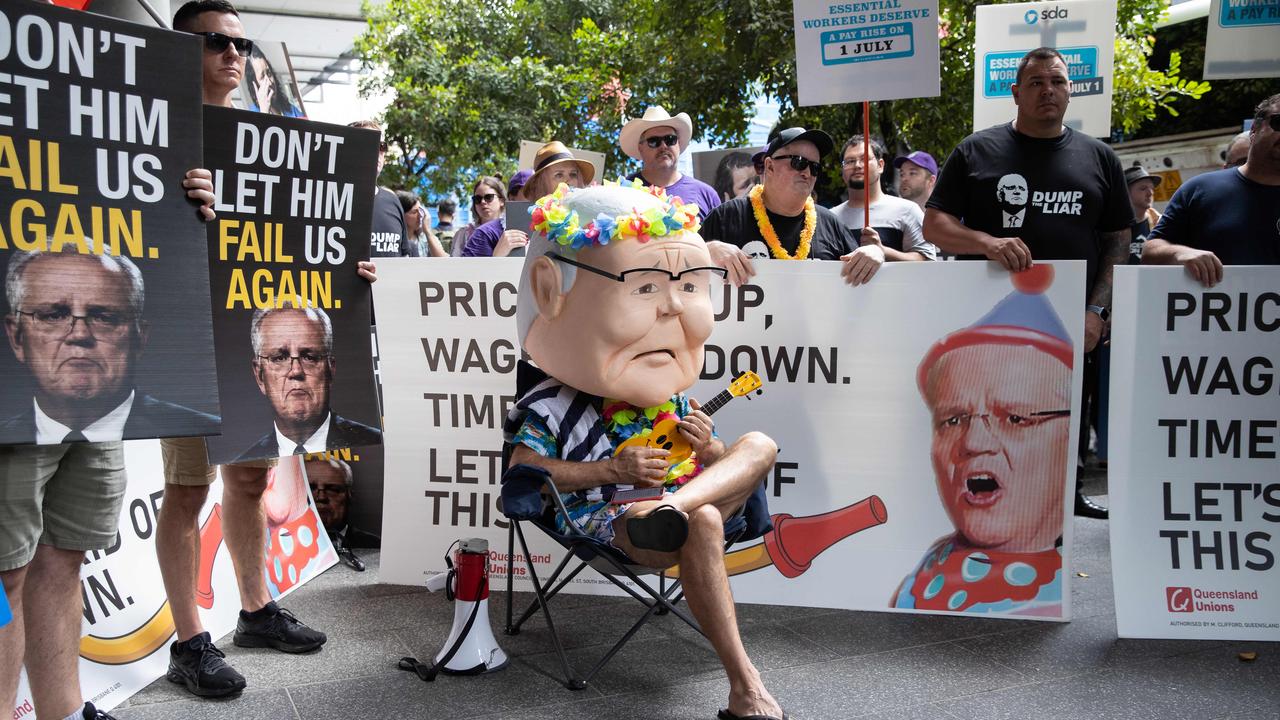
(1242, 40)
(102, 258)
(921, 467)
(1195, 496)
(291, 316)
(1082, 30)
(867, 50)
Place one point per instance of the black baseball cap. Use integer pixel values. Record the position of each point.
(821, 140)
(1137, 172)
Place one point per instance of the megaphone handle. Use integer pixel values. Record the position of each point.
(428, 672)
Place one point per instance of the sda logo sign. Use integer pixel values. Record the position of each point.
(1054, 13)
(1179, 599)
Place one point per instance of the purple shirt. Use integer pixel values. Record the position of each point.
(690, 190)
(483, 239)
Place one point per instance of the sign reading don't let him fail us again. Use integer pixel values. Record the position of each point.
(870, 50)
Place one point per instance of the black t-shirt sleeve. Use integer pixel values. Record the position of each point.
(713, 225)
(951, 194)
(1117, 211)
(831, 238)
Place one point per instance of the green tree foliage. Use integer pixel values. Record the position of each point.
(473, 79)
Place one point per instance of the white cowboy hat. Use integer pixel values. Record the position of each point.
(654, 116)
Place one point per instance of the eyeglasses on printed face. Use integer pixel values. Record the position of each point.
(1000, 422)
(217, 42)
(800, 163)
(649, 281)
(658, 141)
(483, 199)
(58, 321)
(282, 361)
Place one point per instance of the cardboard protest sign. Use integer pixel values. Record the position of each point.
(269, 84)
(1195, 498)
(729, 172)
(102, 255)
(291, 318)
(890, 531)
(1082, 30)
(868, 50)
(128, 622)
(1242, 40)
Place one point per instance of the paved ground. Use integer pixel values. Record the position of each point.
(822, 664)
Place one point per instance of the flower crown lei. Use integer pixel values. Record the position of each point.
(563, 226)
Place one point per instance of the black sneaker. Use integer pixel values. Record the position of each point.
(92, 713)
(275, 627)
(199, 665)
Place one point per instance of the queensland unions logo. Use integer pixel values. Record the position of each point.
(1190, 600)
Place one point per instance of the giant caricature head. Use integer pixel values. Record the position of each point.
(999, 392)
(615, 298)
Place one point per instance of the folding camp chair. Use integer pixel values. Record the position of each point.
(523, 501)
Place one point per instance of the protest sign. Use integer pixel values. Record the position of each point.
(1082, 30)
(104, 270)
(1195, 498)
(269, 84)
(1242, 40)
(729, 172)
(128, 624)
(291, 317)
(863, 462)
(867, 50)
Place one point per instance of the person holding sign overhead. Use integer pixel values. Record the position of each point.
(1036, 189)
(194, 661)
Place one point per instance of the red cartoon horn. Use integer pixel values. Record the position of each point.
(795, 542)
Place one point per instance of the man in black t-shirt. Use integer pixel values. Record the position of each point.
(1035, 189)
(1229, 216)
(791, 166)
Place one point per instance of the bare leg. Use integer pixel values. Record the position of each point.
(708, 500)
(12, 638)
(178, 552)
(244, 524)
(53, 612)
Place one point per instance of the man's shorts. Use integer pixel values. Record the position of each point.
(187, 463)
(67, 496)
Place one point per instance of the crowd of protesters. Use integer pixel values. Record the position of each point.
(978, 205)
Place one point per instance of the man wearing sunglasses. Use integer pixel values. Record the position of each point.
(1227, 217)
(780, 219)
(656, 140)
(194, 661)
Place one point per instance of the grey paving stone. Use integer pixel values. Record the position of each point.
(1060, 650)
(402, 695)
(696, 701)
(265, 705)
(916, 712)
(849, 634)
(1193, 686)
(855, 686)
(770, 645)
(644, 664)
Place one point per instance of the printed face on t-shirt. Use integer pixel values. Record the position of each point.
(1044, 92)
(1011, 191)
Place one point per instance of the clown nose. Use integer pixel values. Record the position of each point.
(795, 542)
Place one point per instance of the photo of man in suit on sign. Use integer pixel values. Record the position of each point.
(294, 366)
(74, 321)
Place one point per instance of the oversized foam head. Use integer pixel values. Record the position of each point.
(615, 297)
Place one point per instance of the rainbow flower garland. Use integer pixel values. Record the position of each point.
(564, 227)
(625, 420)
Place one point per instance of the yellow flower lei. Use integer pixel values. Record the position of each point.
(771, 237)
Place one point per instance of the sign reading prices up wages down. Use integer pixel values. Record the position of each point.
(870, 50)
(1082, 30)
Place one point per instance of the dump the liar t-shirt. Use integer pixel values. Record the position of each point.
(1057, 194)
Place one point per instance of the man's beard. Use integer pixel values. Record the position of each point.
(856, 184)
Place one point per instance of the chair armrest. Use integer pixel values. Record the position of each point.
(523, 497)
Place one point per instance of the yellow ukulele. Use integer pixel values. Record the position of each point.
(664, 435)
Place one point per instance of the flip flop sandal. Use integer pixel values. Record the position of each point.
(726, 715)
(663, 530)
